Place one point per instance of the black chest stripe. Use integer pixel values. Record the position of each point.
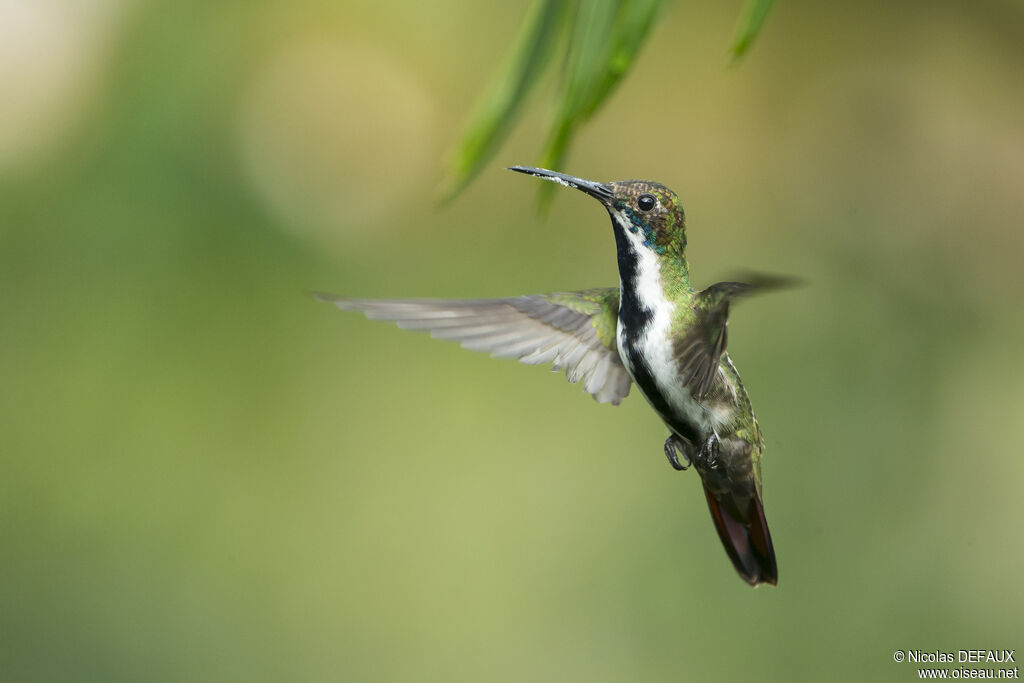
(635, 318)
(634, 315)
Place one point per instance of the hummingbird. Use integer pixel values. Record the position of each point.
(653, 330)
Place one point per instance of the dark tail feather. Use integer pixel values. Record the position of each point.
(749, 545)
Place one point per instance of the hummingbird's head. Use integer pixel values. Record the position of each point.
(647, 215)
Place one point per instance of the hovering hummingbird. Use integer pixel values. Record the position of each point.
(653, 329)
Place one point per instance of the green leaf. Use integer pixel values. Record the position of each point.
(605, 41)
(503, 98)
(751, 20)
(605, 38)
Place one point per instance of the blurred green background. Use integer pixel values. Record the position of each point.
(207, 476)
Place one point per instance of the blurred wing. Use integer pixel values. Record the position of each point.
(573, 330)
(700, 351)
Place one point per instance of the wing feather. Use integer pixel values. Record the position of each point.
(568, 329)
(699, 353)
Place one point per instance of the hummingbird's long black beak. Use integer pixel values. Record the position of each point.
(600, 191)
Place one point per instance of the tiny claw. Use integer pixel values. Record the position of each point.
(708, 456)
(672, 453)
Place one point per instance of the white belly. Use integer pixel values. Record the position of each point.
(654, 346)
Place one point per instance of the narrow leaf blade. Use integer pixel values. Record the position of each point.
(751, 20)
(503, 98)
(606, 41)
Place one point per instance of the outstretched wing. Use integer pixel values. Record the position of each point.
(699, 352)
(573, 330)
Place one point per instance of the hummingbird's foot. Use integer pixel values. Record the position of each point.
(672, 452)
(708, 456)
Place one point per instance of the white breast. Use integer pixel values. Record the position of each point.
(655, 344)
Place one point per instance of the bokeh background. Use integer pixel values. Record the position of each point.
(207, 476)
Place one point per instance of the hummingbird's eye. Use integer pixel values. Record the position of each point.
(646, 202)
